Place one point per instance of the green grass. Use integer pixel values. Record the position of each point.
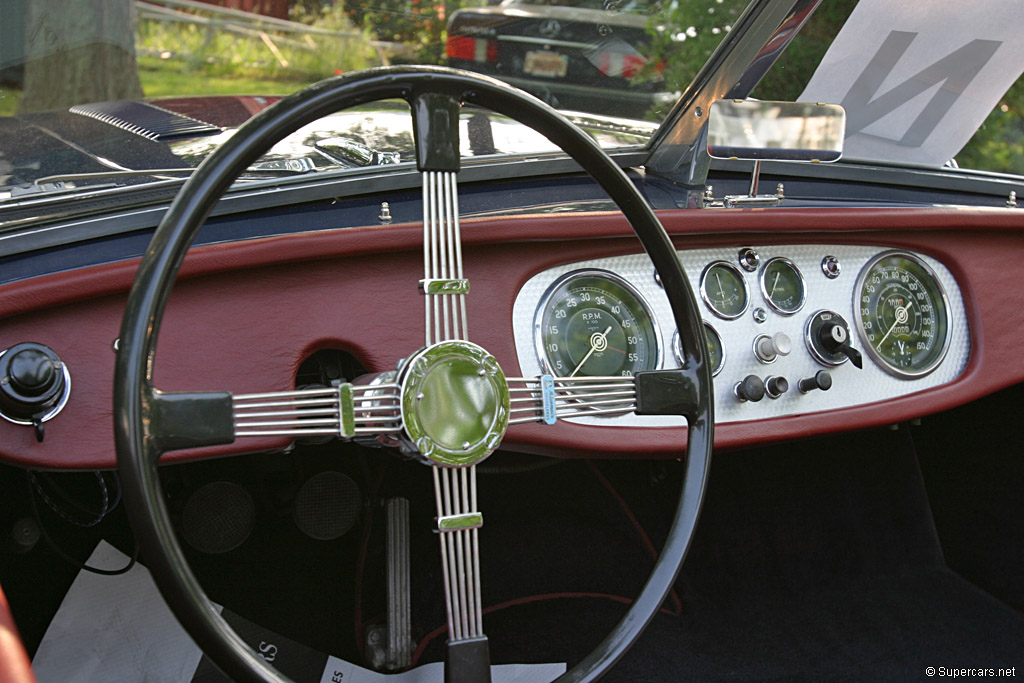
(9, 101)
(169, 78)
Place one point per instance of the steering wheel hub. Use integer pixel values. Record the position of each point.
(455, 403)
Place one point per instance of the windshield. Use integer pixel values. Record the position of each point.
(614, 66)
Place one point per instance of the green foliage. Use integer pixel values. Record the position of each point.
(9, 101)
(685, 33)
(417, 24)
(213, 51)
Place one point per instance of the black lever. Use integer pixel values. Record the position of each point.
(834, 337)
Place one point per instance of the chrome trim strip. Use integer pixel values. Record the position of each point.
(545, 42)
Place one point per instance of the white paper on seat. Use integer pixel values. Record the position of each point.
(117, 628)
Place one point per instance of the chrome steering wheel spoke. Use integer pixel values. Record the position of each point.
(462, 368)
(346, 411)
(548, 399)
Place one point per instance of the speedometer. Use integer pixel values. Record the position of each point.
(594, 323)
(903, 314)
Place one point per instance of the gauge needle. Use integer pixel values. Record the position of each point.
(901, 317)
(721, 289)
(596, 340)
(774, 285)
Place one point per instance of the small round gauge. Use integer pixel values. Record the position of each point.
(593, 323)
(902, 314)
(782, 285)
(716, 350)
(724, 290)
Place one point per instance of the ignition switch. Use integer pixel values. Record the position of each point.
(828, 339)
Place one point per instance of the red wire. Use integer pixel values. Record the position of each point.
(645, 539)
(523, 601)
(676, 602)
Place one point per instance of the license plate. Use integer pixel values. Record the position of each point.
(546, 64)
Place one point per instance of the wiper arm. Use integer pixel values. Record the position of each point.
(260, 168)
(71, 177)
(64, 184)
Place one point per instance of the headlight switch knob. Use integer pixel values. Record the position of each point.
(34, 384)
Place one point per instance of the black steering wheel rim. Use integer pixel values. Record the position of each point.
(138, 452)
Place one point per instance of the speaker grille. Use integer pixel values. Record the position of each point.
(327, 505)
(218, 517)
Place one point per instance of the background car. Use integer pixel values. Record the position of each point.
(582, 55)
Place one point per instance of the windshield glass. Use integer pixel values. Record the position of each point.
(614, 66)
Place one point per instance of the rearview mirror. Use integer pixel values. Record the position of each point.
(783, 131)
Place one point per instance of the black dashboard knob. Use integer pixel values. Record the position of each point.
(750, 389)
(31, 381)
(821, 380)
(776, 386)
(32, 372)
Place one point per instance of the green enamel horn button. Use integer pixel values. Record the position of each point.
(455, 403)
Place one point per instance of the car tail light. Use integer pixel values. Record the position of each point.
(472, 49)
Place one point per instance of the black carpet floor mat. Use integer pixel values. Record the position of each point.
(817, 560)
(812, 562)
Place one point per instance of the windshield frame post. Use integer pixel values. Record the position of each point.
(748, 51)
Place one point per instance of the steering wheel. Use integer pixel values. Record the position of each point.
(451, 434)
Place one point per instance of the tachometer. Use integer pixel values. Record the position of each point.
(593, 323)
(902, 314)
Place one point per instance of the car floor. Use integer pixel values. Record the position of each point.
(869, 555)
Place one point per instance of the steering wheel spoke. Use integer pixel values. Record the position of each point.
(346, 411)
(548, 399)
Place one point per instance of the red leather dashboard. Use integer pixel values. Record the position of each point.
(245, 315)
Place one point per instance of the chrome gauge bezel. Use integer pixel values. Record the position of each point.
(677, 348)
(762, 284)
(858, 318)
(707, 299)
(52, 412)
(545, 302)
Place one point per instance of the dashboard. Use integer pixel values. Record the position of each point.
(246, 314)
(776, 318)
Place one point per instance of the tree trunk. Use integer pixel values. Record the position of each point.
(77, 52)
